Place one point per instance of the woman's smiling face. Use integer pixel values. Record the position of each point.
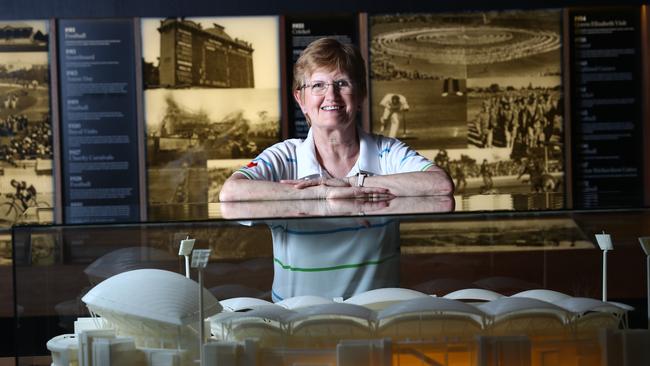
(336, 107)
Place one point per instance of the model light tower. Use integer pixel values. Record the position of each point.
(645, 245)
(185, 250)
(605, 244)
(200, 259)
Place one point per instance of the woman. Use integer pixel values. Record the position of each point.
(334, 257)
(337, 159)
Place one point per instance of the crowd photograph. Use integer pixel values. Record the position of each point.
(26, 183)
(481, 93)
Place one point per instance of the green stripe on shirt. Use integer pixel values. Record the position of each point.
(427, 166)
(334, 268)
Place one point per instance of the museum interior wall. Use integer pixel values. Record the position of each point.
(120, 121)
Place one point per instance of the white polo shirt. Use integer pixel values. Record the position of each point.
(334, 257)
(296, 159)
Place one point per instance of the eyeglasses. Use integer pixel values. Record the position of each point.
(319, 88)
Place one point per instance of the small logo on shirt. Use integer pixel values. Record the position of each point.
(252, 164)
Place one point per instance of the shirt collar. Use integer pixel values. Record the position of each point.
(308, 165)
(368, 161)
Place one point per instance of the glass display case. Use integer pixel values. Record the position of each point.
(275, 251)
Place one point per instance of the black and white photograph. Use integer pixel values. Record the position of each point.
(480, 93)
(466, 236)
(24, 36)
(211, 92)
(489, 179)
(5, 249)
(417, 80)
(27, 191)
(218, 171)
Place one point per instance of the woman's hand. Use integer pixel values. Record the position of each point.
(330, 182)
(365, 193)
(340, 188)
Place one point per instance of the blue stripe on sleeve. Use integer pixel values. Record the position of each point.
(385, 150)
(265, 162)
(412, 154)
(270, 166)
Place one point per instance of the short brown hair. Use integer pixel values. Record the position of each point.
(330, 54)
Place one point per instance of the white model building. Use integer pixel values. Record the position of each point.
(150, 317)
(141, 317)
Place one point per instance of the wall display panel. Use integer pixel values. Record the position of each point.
(607, 133)
(100, 181)
(212, 102)
(300, 31)
(479, 93)
(26, 181)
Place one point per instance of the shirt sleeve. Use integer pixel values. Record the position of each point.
(400, 158)
(268, 165)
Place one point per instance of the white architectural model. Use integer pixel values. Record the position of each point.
(150, 318)
(141, 317)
